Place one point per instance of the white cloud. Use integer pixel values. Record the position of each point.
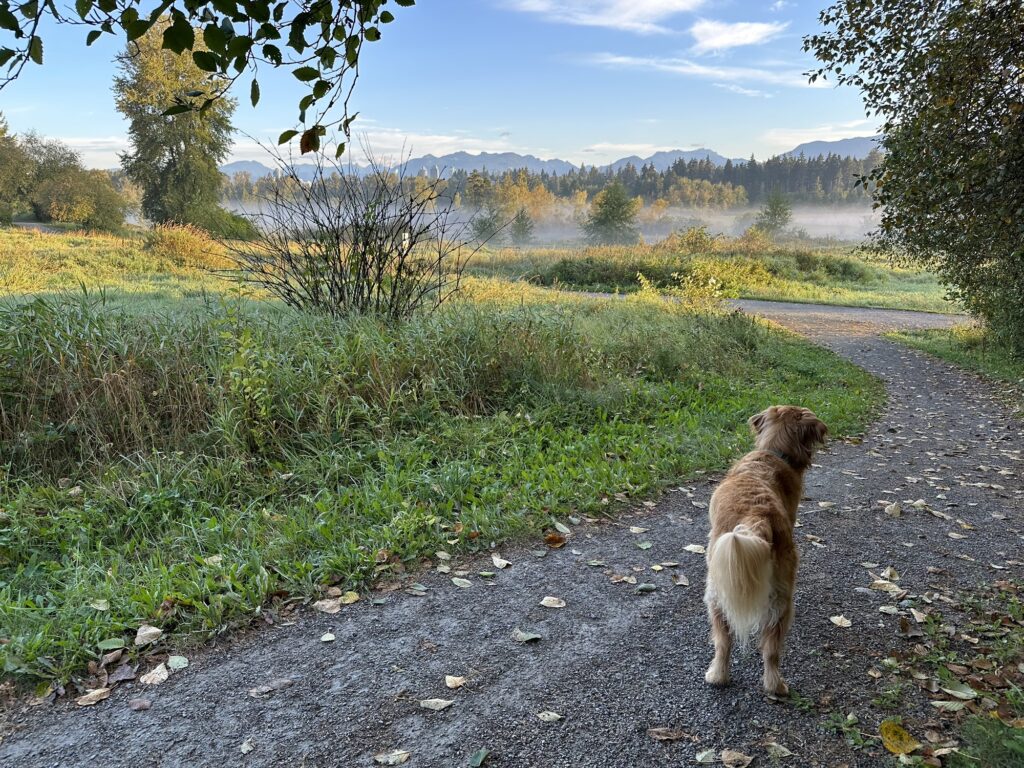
(689, 68)
(784, 139)
(733, 88)
(98, 151)
(719, 35)
(614, 151)
(778, 5)
(641, 16)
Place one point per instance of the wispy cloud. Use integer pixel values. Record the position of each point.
(787, 138)
(640, 16)
(778, 5)
(97, 151)
(712, 35)
(689, 68)
(615, 150)
(753, 92)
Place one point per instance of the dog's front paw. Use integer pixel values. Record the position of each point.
(717, 675)
(774, 684)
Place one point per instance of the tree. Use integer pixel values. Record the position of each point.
(320, 42)
(775, 214)
(81, 197)
(173, 158)
(521, 231)
(945, 79)
(15, 173)
(612, 218)
(487, 224)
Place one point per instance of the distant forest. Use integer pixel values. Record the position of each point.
(825, 179)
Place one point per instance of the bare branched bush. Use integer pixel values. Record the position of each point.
(337, 241)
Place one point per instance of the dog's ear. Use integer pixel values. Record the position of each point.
(813, 431)
(756, 422)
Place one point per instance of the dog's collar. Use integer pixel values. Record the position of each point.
(784, 456)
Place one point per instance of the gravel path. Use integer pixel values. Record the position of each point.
(614, 661)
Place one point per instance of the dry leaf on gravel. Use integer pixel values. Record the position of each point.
(840, 621)
(960, 690)
(733, 759)
(524, 637)
(477, 758)
(680, 580)
(176, 663)
(328, 605)
(349, 597)
(706, 756)
(665, 733)
(894, 509)
(462, 583)
(262, 691)
(637, 529)
(247, 746)
(147, 634)
(555, 540)
(327, 637)
(92, 697)
(436, 704)
(549, 717)
(157, 675)
(553, 602)
(451, 681)
(697, 549)
(776, 750)
(499, 562)
(896, 739)
(395, 757)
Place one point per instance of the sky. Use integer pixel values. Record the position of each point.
(588, 81)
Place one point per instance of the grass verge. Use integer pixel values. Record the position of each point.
(186, 469)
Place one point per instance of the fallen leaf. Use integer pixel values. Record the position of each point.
(826, 504)
(549, 717)
(552, 602)
(891, 574)
(100, 605)
(499, 562)
(562, 528)
(261, 691)
(644, 544)
(707, 756)
(733, 759)
(697, 549)
(213, 559)
(555, 540)
(667, 734)
(638, 529)
(478, 757)
(948, 706)
(176, 663)
(642, 588)
(462, 583)
(328, 605)
(452, 681)
(147, 634)
(94, 696)
(960, 690)
(894, 509)
(157, 675)
(919, 617)
(349, 597)
(896, 739)
(111, 644)
(776, 750)
(395, 757)
(680, 580)
(524, 637)
(139, 705)
(840, 621)
(122, 674)
(247, 746)
(442, 555)
(327, 637)
(436, 704)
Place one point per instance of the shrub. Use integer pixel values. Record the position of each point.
(186, 246)
(80, 197)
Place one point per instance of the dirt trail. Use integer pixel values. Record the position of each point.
(613, 662)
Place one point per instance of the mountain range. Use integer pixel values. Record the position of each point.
(498, 162)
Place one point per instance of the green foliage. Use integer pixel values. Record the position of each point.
(319, 43)
(521, 230)
(173, 159)
(15, 170)
(185, 246)
(612, 218)
(487, 225)
(80, 197)
(220, 455)
(945, 78)
(775, 214)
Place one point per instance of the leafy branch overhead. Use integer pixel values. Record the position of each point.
(319, 41)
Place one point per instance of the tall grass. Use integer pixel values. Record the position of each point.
(182, 469)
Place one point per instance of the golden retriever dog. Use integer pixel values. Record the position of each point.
(751, 555)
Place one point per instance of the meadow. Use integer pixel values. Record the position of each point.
(182, 453)
(750, 266)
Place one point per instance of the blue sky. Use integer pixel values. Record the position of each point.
(584, 80)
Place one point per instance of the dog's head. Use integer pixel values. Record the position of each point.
(789, 430)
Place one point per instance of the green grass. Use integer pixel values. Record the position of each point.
(969, 347)
(745, 267)
(188, 461)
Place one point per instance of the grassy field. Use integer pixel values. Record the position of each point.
(968, 347)
(746, 267)
(184, 457)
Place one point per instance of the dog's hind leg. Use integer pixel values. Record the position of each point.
(772, 638)
(718, 672)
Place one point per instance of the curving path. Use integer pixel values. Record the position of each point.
(613, 662)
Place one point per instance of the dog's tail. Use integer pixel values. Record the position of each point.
(740, 580)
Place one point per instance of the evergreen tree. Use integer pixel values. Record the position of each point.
(775, 214)
(612, 218)
(521, 231)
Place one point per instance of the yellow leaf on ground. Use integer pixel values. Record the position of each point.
(896, 739)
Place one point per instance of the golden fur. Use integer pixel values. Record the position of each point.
(751, 556)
